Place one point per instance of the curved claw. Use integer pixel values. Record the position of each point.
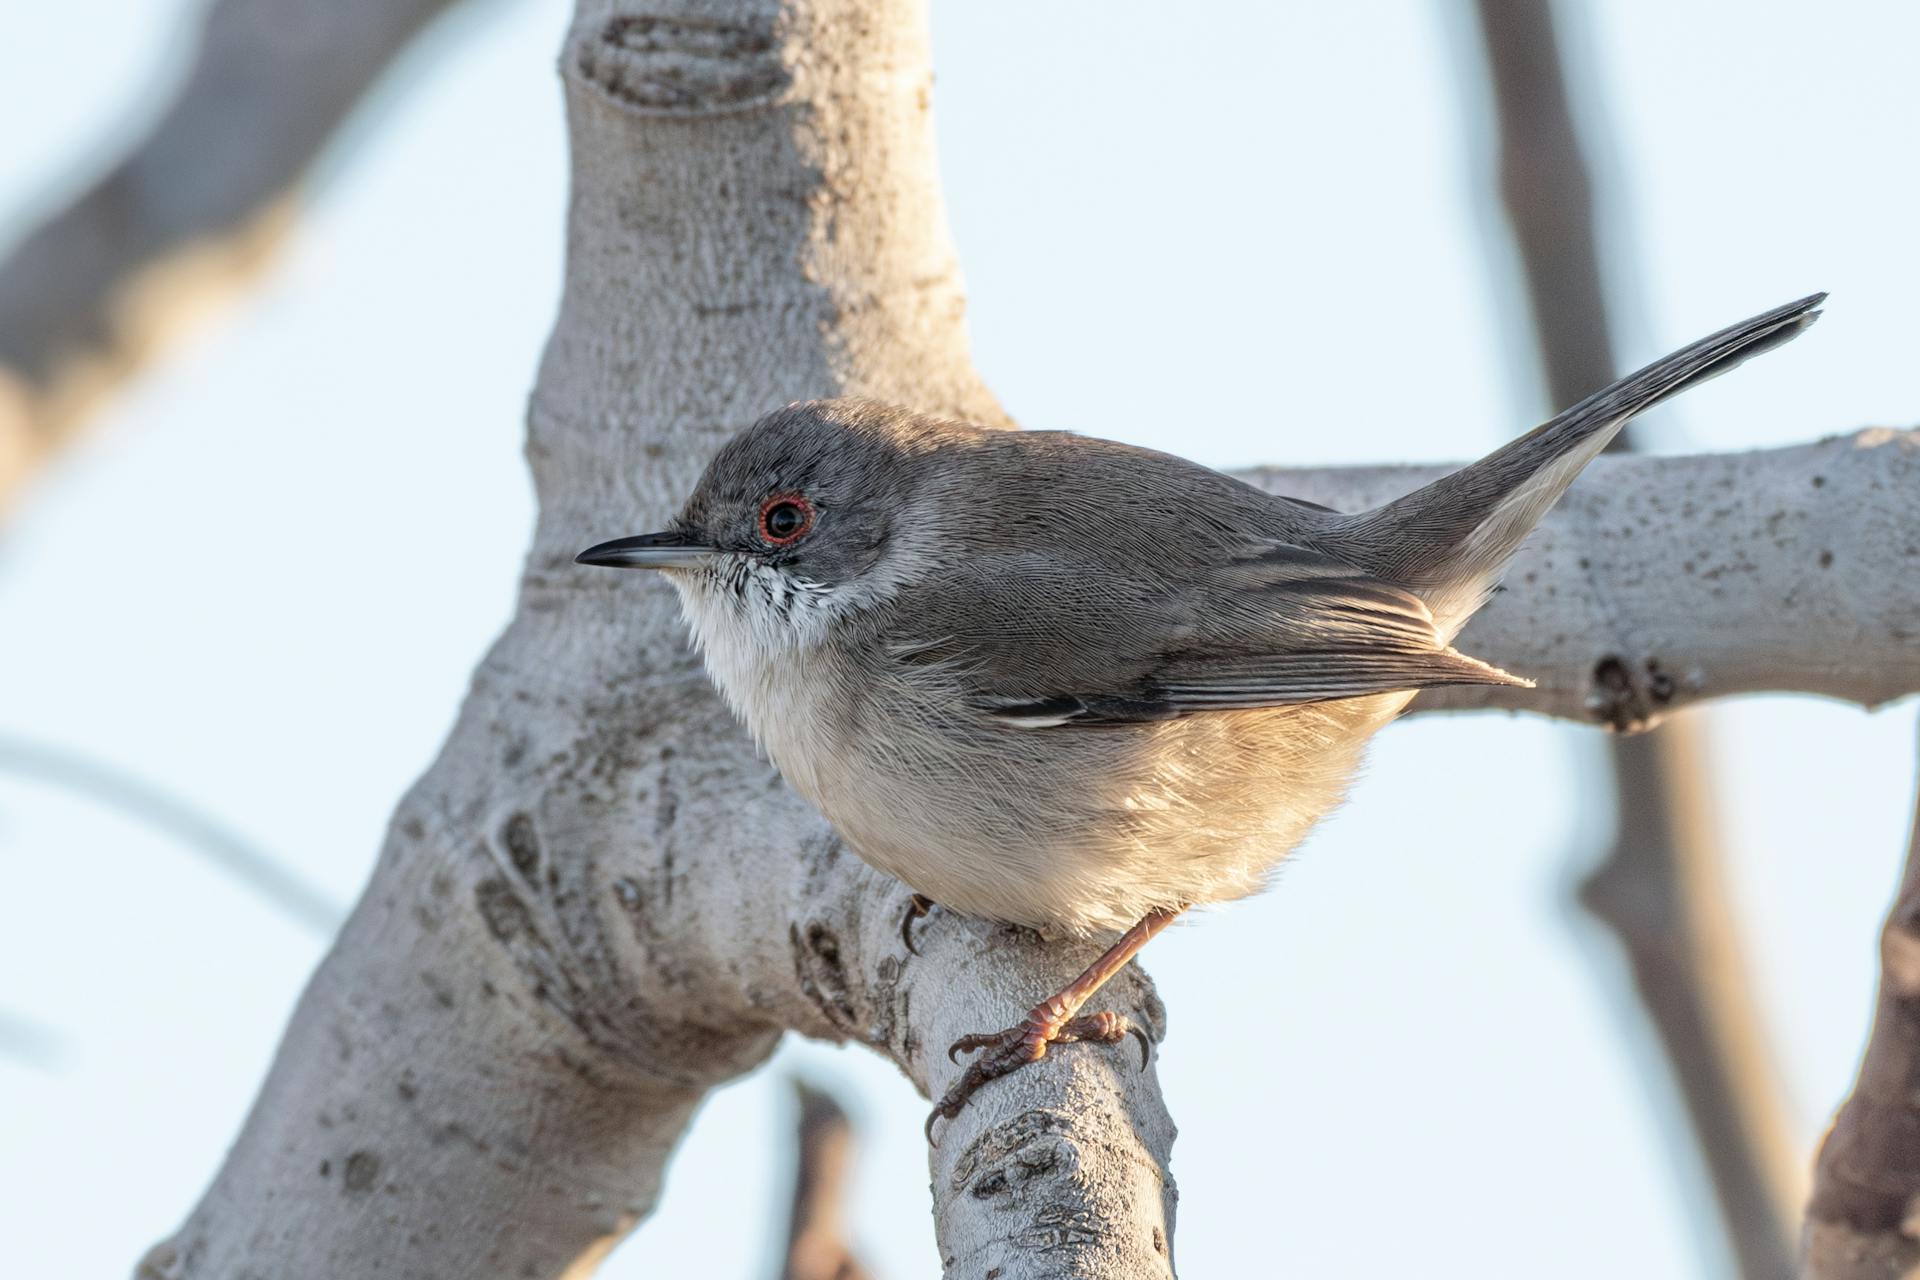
(1146, 1046)
(977, 1074)
(917, 907)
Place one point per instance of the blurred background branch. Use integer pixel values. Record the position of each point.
(1660, 889)
(817, 1247)
(192, 211)
(29, 1042)
(1865, 1207)
(202, 834)
(191, 215)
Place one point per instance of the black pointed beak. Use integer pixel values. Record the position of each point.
(669, 550)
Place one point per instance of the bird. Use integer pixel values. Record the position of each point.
(1080, 686)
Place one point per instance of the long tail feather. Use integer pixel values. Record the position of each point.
(1450, 540)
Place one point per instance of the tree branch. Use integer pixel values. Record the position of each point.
(1863, 1221)
(1660, 582)
(188, 216)
(597, 903)
(1661, 888)
(817, 1246)
(203, 835)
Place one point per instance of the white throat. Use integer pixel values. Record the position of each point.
(757, 629)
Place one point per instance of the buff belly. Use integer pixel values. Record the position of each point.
(1084, 830)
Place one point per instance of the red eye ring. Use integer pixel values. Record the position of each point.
(777, 514)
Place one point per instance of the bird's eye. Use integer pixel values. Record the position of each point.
(784, 518)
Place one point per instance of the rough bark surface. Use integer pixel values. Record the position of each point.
(597, 903)
(1863, 1220)
(1659, 582)
(196, 208)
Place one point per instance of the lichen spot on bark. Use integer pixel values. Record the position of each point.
(362, 1168)
(522, 845)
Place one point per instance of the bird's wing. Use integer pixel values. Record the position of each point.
(1274, 624)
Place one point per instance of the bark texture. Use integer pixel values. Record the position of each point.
(189, 216)
(597, 903)
(1659, 582)
(1661, 888)
(1863, 1220)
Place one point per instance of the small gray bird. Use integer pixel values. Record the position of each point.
(1078, 685)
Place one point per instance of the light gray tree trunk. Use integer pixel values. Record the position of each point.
(597, 904)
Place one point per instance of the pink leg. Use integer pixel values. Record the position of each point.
(1055, 1020)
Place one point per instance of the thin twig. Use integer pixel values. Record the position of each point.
(30, 1042)
(199, 832)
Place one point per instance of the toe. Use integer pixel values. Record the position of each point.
(917, 907)
(1008, 1051)
(979, 1040)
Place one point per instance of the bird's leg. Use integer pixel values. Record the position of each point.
(917, 906)
(1055, 1020)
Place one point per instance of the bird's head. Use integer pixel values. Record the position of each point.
(800, 519)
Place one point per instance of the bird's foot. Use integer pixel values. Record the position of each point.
(917, 907)
(1004, 1052)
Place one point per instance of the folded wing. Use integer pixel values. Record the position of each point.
(1275, 625)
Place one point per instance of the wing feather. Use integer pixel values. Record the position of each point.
(1276, 625)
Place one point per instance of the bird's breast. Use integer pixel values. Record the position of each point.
(1074, 830)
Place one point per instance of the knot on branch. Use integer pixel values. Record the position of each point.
(1003, 1163)
(683, 66)
(1047, 1173)
(1870, 1168)
(1629, 699)
(165, 1261)
(547, 916)
(1900, 950)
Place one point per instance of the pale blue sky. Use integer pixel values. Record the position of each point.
(1249, 233)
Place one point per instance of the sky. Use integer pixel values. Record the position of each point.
(1260, 233)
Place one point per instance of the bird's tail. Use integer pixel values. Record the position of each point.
(1450, 540)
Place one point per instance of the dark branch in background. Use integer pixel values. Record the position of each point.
(203, 835)
(1548, 199)
(194, 209)
(817, 1247)
(1659, 888)
(1863, 1221)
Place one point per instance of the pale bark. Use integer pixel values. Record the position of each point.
(188, 217)
(1863, 1219)
(597, 903)
(1659, 582)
